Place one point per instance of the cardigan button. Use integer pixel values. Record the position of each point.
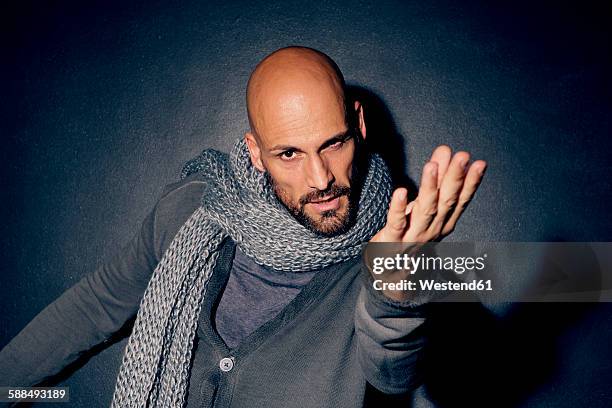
(226, 364)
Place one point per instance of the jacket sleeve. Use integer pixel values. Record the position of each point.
(98, 305)
(389, 339)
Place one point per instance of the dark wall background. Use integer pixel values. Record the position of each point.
(102, 103)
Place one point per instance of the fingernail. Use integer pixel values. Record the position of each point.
(402, 194)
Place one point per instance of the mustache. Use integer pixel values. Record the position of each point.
(331, 192)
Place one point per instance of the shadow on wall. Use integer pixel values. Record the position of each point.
(475, 357)
(382, 135)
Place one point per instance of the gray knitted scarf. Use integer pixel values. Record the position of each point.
(238, 202)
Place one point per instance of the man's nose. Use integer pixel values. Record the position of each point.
(319, 176)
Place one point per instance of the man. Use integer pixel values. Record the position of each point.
(245, 276)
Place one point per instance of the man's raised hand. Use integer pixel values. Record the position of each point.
(448, 184)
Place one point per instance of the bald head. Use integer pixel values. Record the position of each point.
(287, 83)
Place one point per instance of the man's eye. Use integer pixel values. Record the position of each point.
(287, 155)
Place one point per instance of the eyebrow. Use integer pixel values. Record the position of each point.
(340, 136)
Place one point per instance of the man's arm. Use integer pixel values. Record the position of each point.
(389, 323)
(389, 340)
(100, 303)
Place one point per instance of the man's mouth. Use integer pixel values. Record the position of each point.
(326, 204)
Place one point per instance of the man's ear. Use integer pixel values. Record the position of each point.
(360, 120)
(254, 151)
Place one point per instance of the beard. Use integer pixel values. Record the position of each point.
(328, 223)
(331, 222)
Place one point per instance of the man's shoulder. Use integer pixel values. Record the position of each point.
(189, 189)
(177, 202)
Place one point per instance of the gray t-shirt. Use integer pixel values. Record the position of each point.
(254, 294)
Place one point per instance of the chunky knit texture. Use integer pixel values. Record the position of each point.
(238, 202)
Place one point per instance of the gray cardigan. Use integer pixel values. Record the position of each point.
(320, 350)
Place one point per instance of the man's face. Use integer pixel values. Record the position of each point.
(328, 209)
(308, 152)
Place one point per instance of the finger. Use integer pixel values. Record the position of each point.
(450, 189)
(426, 203)
(442, 156)
(473, 179)
(409, 207)
(396, 217)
